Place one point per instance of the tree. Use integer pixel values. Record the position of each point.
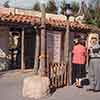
(6, 4)
(95, 13)
(63, 6)
(51, 7)
(36, 6)
(75, 7)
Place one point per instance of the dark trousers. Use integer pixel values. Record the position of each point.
(78, 72)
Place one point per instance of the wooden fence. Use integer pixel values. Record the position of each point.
(57, 73)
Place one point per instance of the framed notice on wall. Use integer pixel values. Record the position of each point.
(54, 46)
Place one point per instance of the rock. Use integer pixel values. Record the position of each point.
(36, 87)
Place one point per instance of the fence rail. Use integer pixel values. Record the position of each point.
(57, 73)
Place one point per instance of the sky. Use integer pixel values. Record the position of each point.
(28, 3)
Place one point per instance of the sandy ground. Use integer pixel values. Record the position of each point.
(11, 89)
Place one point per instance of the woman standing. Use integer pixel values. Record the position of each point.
(94, 65)
(78, 62)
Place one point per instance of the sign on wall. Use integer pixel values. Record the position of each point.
(54, 46)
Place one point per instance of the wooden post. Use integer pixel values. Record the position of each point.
(43, 35)
(66, 55)
(11, 46)
(22, 51)
(36, 54)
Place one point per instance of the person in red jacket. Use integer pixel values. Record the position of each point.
(79, 53)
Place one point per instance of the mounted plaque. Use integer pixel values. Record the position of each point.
(54, 46)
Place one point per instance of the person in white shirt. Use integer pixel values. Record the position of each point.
(94, 65)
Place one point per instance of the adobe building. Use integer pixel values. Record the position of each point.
(20, 37)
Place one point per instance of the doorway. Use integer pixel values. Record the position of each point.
(29, 48)
(15, 48)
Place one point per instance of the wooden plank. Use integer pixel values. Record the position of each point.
(22, 50)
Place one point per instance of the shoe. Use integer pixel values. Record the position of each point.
(96, 90)
(79, 86)
(90, 90)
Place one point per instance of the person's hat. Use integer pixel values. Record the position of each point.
(94, 37)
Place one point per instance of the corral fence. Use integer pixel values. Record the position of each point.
(57, 73)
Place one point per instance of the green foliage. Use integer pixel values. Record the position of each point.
(91, 21)
(51, 7)
(75, 7)
(36, 6)
(92, 14)
(6, 4)
(95, 14)
(63, 6)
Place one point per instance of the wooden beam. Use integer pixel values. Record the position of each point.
(42, 67)
(22, 50)
(66, 55)
(15, 24)
(37, 48)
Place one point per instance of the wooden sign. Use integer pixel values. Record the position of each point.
(54, 46)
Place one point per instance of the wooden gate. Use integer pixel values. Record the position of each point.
(57, 73)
